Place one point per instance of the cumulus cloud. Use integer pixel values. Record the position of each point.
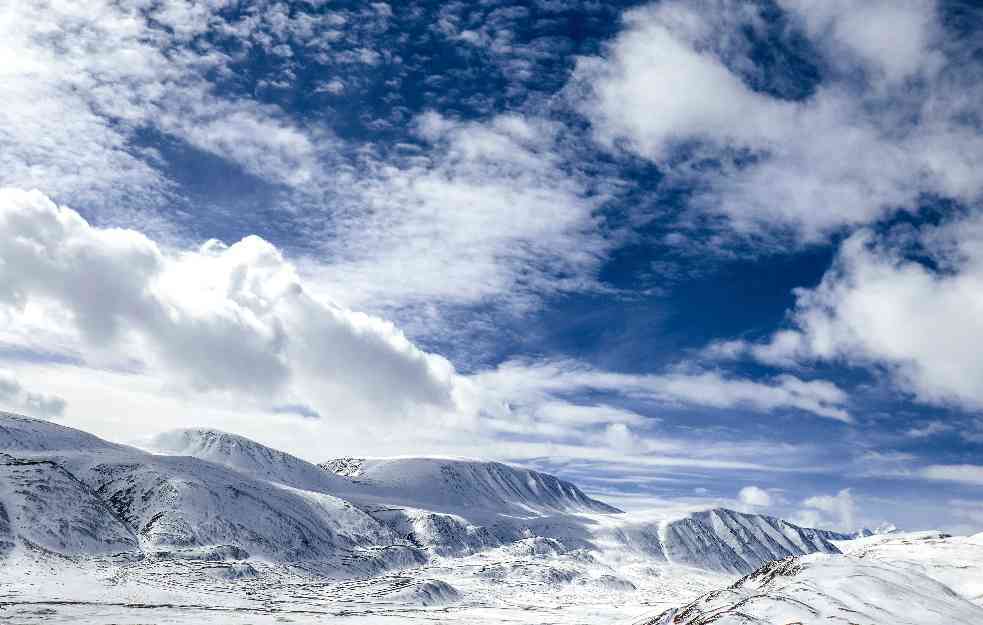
(661, 84)
(235, 323)
(672, 87)
(754, 497)
(894, 39)
(838, 509)
(880, 305)
(14, 397)
(222, 318)
(483, 210)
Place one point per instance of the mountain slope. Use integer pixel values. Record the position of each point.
(43, 506)
(247, 456)
(168, 502)
(458, 486)
(734, 542)
(825, 588)
(956, 561)
(20, 433)
(215, 489)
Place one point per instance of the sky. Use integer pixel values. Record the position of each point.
(683, 253)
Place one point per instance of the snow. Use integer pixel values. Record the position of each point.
(246, 456)
(215, 528)
(456, 485)
(43, 505)
(829, 589)
(737, 543)
(956, 561)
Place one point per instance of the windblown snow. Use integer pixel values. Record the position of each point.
(211, 527)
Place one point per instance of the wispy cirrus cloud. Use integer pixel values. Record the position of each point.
(489, 211)
(963, 473)
(514, 380)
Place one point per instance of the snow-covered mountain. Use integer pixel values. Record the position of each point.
(828, 589)
(91, 496)
(956, 561)
(208, 488)
(247, 456)
(48, 508)
(454, 485)
(214, 515)
(735, 542)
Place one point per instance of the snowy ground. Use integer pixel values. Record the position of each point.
(833, 589)
(956, 561)
(493, 587)
(918, 578)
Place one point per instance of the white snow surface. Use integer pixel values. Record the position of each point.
(216, 528)
(823, 588)
(452, 485)
(246, 456)
(956, 561)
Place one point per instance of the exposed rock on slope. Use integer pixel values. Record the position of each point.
(725, 540)
(43, 506)
(828, 589)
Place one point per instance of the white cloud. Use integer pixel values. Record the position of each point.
(515, 380)
(487, 213)
(221, 318)
(930, 428)
(876, 306)
(848, 154)
(104, 71)
(487, 210)
(225, 330)
(893, 38)
(754, 496)
(14, 397)
(661, 84)
(962, 473)
(619, 436)
(839, 509)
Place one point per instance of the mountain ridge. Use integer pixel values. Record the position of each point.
(214, 488)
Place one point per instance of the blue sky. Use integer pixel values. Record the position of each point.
(685, 253)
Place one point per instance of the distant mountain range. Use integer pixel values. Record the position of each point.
(69, 492)
(212, 510)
